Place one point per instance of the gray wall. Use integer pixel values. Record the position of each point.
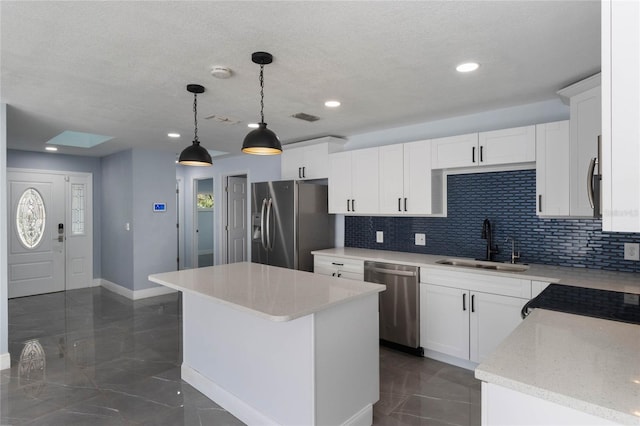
(68, 163)
(117, 201)
(258, 168)
(154, 234)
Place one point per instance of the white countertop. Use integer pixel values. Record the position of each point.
(589, 364)
(276, 294)
(627, 282)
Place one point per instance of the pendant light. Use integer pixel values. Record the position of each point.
(261, 141)
(195, 155)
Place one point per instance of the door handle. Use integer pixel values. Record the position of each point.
(262, 227)
(353, 205)
(399, 201)
(481, 149)
(269, 242)
(405, 204)
(348, 209)
(473, 154)
(540, 203)
(464, 301)
(299, 172)
(304, 172)
(473, 303)
(590, 189)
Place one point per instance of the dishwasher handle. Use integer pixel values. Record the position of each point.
(394, 272)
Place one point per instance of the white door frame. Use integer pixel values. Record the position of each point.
(89, 212)
(180, 223)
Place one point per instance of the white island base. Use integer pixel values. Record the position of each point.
(317, 368)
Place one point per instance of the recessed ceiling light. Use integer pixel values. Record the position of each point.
(253, 125)
(173, 135)
(51, 148)
(332, 104)
(467, 67)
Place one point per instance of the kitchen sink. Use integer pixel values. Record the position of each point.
(483, 264)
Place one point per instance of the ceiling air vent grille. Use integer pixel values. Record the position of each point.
(306, 117)
(221, 119)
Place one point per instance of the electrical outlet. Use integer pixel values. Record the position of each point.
(421, 240)
(379, 237)
(631, 251)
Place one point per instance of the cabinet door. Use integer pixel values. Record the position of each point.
(340, 182)
(392, 197)
(492, 319)
(315, 164)
(552, 169)
(455, 151)
(507, 146)
(418, 178)
(585, 127)
(444, 320)
(620, 112)
(291, 162)
(364, 181)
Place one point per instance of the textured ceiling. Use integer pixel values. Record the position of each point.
(120, 68)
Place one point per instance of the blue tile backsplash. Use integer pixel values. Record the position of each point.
(508, 199)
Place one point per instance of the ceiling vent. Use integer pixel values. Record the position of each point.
(306, 117)
(221, 119)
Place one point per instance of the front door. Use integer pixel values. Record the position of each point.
(50, 234)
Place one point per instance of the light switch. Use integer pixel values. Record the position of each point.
(379, 237)
(631, 251)
(421, 240)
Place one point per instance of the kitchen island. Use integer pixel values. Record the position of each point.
(276, 346)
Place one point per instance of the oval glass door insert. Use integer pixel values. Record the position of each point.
(30, 218)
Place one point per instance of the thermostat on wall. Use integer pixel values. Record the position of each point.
(159, 207)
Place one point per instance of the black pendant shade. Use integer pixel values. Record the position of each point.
(261, 141)
(195, 155)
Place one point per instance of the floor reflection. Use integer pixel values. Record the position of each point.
(32, 368)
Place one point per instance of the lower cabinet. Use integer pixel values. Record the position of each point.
(466, 323)
(352, 269)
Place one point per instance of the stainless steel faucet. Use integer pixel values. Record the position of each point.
(486, 234)
(515, 255)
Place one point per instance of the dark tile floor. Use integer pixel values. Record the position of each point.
(91, 357)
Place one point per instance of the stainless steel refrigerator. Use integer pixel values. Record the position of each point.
(289, 220)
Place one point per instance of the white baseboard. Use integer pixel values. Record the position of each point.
(136, 294)
(439, 356)
(5, 361)
(226, 400)
(363, 417)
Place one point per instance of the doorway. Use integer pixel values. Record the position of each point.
(50, 231)
(203, 208)
(236, 218)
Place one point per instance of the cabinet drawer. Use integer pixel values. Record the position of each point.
(347, 266)
(494, 284)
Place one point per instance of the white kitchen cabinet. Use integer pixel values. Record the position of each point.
(308, 159)
(620, 111)
(454, 151)
(507, 146)
(499, 147)
(466, 315)
(552, 169)
(353, 182)
(408, 185)
(339, 267)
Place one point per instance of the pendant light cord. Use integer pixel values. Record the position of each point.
(261, 93)
(195, 117)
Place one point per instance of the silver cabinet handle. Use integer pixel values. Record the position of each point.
(394, 272)
(590, 189)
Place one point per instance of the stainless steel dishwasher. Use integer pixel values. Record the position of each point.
(399, 304)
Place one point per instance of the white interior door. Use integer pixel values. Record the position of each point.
(50, 232)
(236, 219)
(36, 233)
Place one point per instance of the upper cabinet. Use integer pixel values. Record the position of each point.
(408, 186)
(552, 169)
(620, 111)
(309, 159)
(353, 182)
(585, 126)
(498, 147)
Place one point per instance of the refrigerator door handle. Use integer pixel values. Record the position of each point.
(269, 242)
(590, 190)
(262, 230)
